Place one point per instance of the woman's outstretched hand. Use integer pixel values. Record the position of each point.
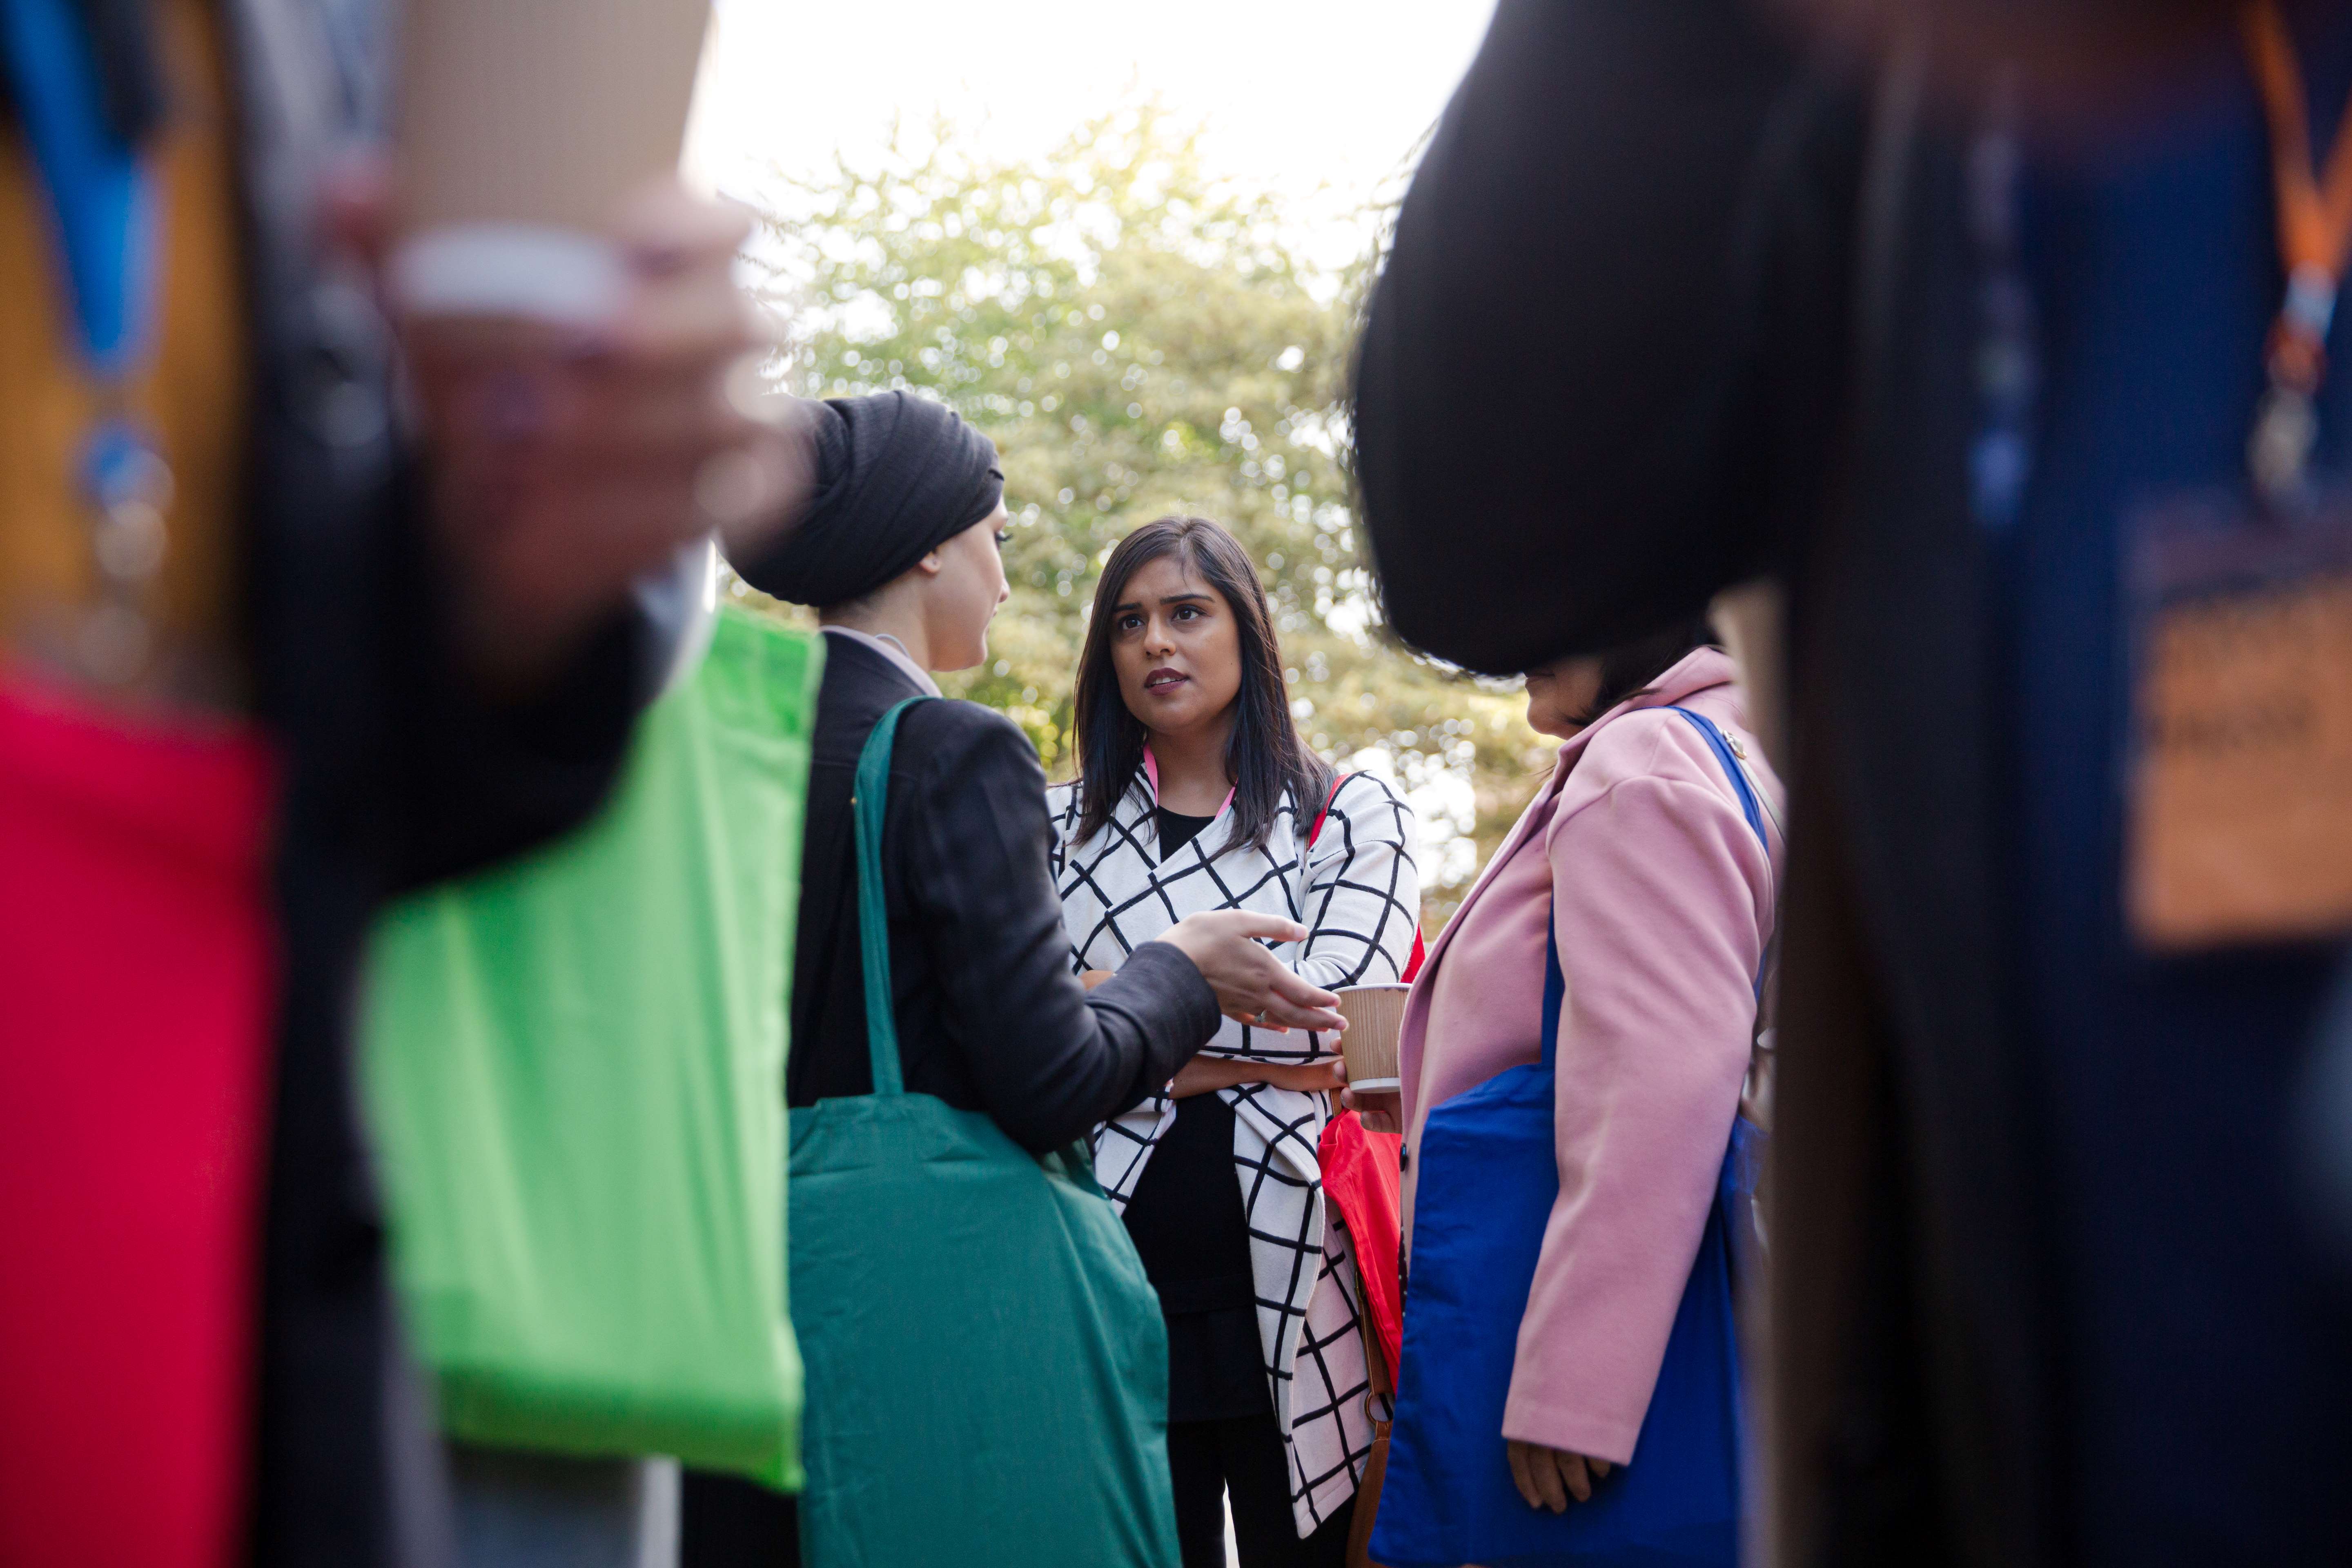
(1252, 986)
(1547, 1478)
(1204, 1075)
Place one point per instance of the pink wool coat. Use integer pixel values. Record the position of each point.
(1663, 898)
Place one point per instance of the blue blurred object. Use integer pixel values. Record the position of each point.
(102, 201)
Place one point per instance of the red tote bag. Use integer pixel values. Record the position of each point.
(1362, 1176)
(135, 985)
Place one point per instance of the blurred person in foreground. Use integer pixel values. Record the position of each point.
(1949, 316)
(278, 646)
(899, 552)
(1198, 794)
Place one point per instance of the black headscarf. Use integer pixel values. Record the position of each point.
(896, 477)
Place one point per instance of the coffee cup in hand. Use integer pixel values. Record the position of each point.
(525, 126)
(1375, 1015)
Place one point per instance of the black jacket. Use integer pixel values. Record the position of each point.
(990, 1017)
(1669, 306)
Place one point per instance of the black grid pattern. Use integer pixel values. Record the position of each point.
(1359, 894)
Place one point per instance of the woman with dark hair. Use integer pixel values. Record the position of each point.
(1640, 865)
(1198, 795)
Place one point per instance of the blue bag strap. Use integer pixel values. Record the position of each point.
(1555, 981)
(1750, 806)
(1717, 742)
(102, 200)
(870, 798)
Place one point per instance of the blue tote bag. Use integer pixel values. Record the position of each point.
(1489, 1175)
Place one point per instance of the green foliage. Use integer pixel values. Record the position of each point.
(1140, 339)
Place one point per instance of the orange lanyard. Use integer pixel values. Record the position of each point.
(2315, 238)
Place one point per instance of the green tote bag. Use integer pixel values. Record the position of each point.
(987, 1368)
(574, 1071)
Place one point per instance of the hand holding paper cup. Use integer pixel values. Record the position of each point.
(524, 126)
(583, 357)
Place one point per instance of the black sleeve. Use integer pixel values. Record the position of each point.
(1050, 1060)
(1551, 386)
(468, 781)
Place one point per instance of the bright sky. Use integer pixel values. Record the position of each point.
(1299, 93)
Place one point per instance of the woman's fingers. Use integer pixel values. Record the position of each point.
(1548, 1478)
(1301, 992)
(1299, 1004)
(1543, 1467)
(1252, 985)
(1267, 928)
(1521, 1475)
(1281, 1013)
(1544, 1470)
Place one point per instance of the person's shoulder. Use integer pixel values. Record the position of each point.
(1643, 741)
(1368, 793)
(1650, 749)
(1373, 810)
(950, 720)
(951, 733)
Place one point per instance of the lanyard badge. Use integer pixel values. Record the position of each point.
(103, 207)
(2241, 781)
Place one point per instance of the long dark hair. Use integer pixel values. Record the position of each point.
(1627, 669)
(1264, 757)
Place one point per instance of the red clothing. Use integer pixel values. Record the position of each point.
(136, 973)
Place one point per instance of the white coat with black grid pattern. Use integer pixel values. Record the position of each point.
(1359, 895)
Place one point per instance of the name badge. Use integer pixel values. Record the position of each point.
(2240, 822)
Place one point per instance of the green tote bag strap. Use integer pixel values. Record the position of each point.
(870, 798)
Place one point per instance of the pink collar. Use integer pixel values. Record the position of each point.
(1151, 773)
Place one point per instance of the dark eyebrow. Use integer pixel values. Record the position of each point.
(1166, 599)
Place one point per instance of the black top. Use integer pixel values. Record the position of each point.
(1177, 830)
(1188, 1224)
(990, 1017)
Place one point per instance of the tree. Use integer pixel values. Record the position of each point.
(1140, 339)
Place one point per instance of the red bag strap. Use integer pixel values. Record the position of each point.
(1317, 831)
(1412, 965)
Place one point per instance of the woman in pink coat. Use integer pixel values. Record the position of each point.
(1663, 899)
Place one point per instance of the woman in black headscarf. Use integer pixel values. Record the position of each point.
(900, 555)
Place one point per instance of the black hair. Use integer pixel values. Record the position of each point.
(1264, 757)
(1627, 669)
